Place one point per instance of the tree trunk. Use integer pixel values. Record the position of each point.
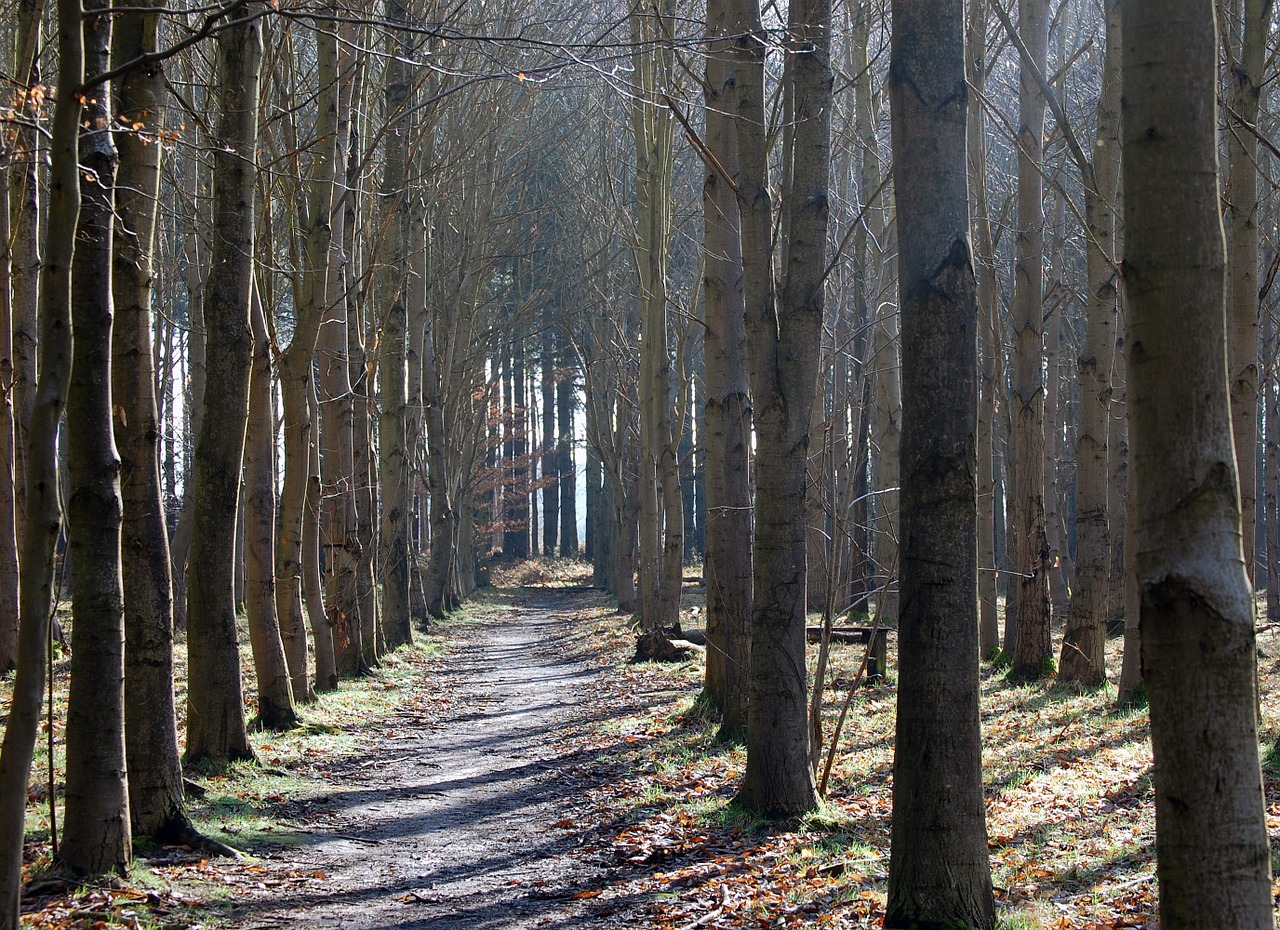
(275, 693)
(727, 443)
(1197, 624)
(296, 373)
(550, 455)
(393, 455)
(1032, 648)
(1246, 53)
(8, 528)
(988, 329)
(24, 229)
(783, 351)
(312, 579)
(1084, 644)
(564, 464)
(364, 484)
(96, 834)
(157, 808)
(43, 509)
(215, 715)
(939, 870)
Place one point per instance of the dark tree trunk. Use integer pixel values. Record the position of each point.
(43, 509)
(564, 457)
(215, 706)
(783, 348)
(550, 457)
(1196, 614)
(156, 804)
(939, 872)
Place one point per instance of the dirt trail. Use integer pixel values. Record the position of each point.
(465, 822)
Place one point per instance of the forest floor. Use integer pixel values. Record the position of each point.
(512, 770)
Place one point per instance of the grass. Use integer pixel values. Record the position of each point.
(1067, 776)
(250, 806)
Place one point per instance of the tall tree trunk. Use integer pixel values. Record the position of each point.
(96, 834)
(312, 579)
(43, 508)
(550, 456)
(564, 464)
(1083, 645)
(215, 707)
(1246, 56)
(1197, 624)
(157, 807)
(886, 435)
(364, 483)
(727, 442)
(8, 528)
(275, 692)
(1032, 648)
(939, 867)
(180, 545)
(783, 351)
(296, 370)
(24, 230)
(393, 454)
(443, 515)
(988, 329)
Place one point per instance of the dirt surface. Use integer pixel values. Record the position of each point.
(478, 819)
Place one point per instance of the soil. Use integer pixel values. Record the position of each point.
(484, 818)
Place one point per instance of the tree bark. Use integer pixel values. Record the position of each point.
(1084, 644)
(1247, 50)
(96, 834)
(1032, 648)
(783, 349)
(215, 709)
(157, 807)
(43, 508)
(939, 870)
(727, 443)
(275, 692)
(1196, 616)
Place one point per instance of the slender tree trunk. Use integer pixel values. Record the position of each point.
(157, 807)
(1032, 646)
(43, 508)
(988, 328)
(783, 349)
(8, 528)
(393, 455)
(886, 435)
(296, 372)
(24, 229)
(939, 867)
(364, 485)
(1247, 52)
(444, 517)
(1197, 624)
(180, 546)
(550, 455)
(1083, 645)
(312, 579)
(727, 443)
(275, 692)
(215, 707)
(96, 835)
(567, 482)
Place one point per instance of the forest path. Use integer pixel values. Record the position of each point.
(473, 820)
